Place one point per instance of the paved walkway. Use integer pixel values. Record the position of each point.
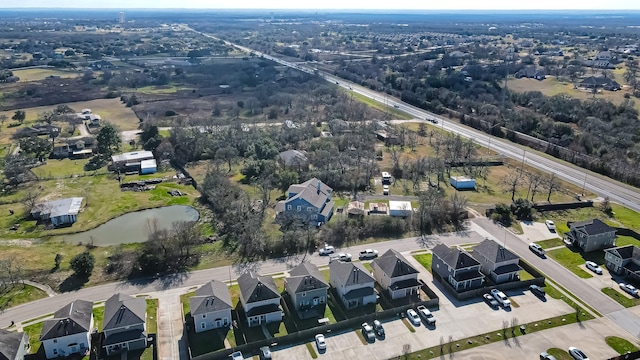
(171, 340)
(45, 288)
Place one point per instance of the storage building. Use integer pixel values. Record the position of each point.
(130, 161)
(400, 208)
(148, 166)
(462, 182)
(58, 212)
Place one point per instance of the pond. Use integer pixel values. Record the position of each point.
(133, 227)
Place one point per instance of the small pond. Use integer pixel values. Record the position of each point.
(133, 227)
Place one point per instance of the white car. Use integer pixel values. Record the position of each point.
(537, 249)
(385, 189)
(327, 249)
(577, 354)
(413, 317)
(344, 257)
(237, 356)
(550, 225)
(368, 254)
(593, 267)
(629, 289)
(426, 315)
(501, 297)
(320, 342)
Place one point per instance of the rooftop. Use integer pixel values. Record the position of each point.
(61, 207)
(132, 156)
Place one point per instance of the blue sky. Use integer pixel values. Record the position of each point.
(333, 4)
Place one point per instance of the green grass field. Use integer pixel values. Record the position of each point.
(37, 74)
(425, 260)
(622, 346)
(620, 297)
(549, 243)
(33, 331)
(20, 294)
(572, 259)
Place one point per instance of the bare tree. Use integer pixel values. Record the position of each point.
(535, 181)
(511, 182)
(552, 185)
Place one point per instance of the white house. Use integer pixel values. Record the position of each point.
(13, 345)
(353, 283)
(260, 299)
(124, 324)
(400, 208)
(211, 306)
(394, 273)
(59, 212)
(69, 331)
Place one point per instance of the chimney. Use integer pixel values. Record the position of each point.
(319, 185)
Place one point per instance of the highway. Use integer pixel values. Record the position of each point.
(598, 184)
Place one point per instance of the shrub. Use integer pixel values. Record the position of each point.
(82, 264)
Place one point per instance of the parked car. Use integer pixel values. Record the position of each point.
(396, 106)
(377, 327)
(327, 249)
(385, 189)
(537, 290)
(593, 267)
(426, 315)
(368, 254)
(320, 342)
(501, 298)
(545, 356)
(577, 354)
(629, 289)
(550, 225)
(491, 301)
(265, 353)
(537, 249)
(237, 356)
(413, 317)
(344, 257)
(367, 332)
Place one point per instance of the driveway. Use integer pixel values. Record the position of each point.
(536, 231)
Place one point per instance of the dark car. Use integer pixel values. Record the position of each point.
(377, 327)
(545, 356)
(265, 353)
(537, 290)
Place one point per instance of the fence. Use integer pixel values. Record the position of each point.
(563, 206)
(308, 334)
(627, 232)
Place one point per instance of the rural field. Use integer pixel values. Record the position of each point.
(36, 74)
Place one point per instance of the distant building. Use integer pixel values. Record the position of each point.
(400, 208)
(58, 212)
(310, 200)
(531, 73)
(13, 345)
(593, 82)
(130, 161)
(462, 182)
(294, 159)
(591, 235)
(121, 18)
(211, 306)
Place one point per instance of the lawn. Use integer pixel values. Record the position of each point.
(33, 331)
(571, 258)
(98, 316)
(36, 74)
(550, 243)
(622, 217)
(620, 297)
(622, 346)
(152, 316)
(424, 260)
(20, 294)
(626, 217)
(560, 354)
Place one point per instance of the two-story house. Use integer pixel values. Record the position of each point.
(496, 262)
(260, 299)
(456, 267)
(211, 306)
(353, 283)
(307, 289)
(394, 273)
(310, 200)
(124, 324)
(592, 235)
(69, 331)
(624, 260)
(13, 345)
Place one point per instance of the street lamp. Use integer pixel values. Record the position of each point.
(491, 135)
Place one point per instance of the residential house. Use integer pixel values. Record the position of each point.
(456, 267)
(62, 212)
(387, 138)
(339, 126)
(400, 208)
(260, 299)
(496, 262)
(39, 129)
(353, 284)
(605, 55)
(310, 200)
(124, 324)
(295, 159)
(593, 82)
(307, 289)
(394, 273)
(600, 64)
(591, 235)
(355, 209)
(13, 345)
(69, 331)
(531, 73)
(211, 306)
(76, 148)
(624, 260)
(130, 161)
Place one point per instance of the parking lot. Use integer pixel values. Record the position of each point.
(457, 319)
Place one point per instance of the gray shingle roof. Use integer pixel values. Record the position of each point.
(455, 258)
(293, 157)
(493, 251)
(625, 252)
(394, 264)
(593, 227)
(308, 191)
(254, 288)
(210, 297)
(350, 273)
(67, 206)
(74, 318)
(123, 310)
(306, 277)
(9, 344)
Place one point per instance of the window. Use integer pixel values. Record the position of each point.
(55, 351)
(309, 209)
(314, 217)
(289, 207)
(304, 294)
(204, 316)
(299, 208)
(202, 325)
(55, 341)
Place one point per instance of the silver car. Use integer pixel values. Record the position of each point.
(593, 267)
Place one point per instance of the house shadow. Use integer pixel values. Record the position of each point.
(73, 282)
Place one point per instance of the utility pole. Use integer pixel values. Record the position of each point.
(584, 184)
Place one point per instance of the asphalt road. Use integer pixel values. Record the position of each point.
(601, 185)
(578, 287)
